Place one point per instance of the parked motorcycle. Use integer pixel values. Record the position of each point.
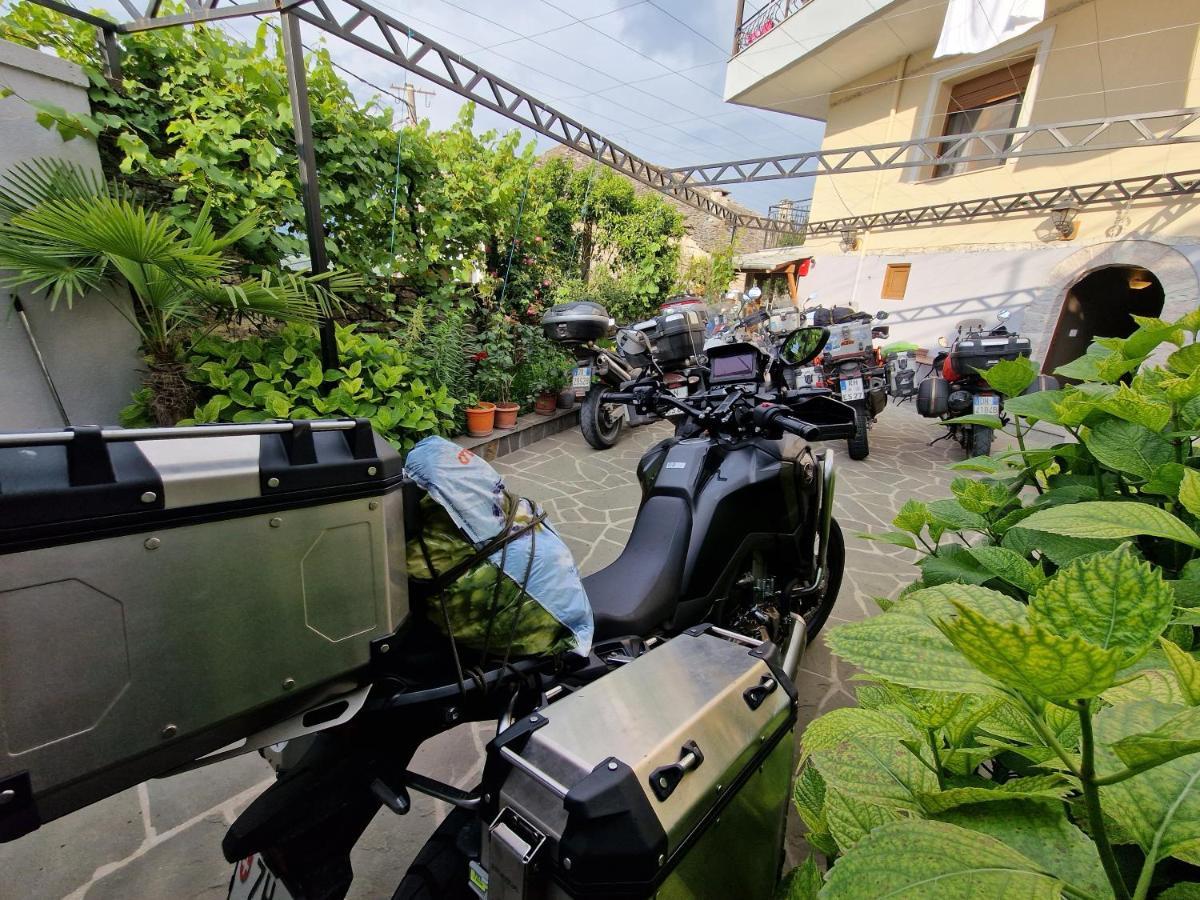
(851, 367)
(699, 621)
(664, 347)
(955, 386)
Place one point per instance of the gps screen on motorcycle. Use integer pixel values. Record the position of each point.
(734, 365)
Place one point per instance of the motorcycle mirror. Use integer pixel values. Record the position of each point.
(802, 345)
(881, 315)
(754, 293)
(1003, 314)
(942, 342)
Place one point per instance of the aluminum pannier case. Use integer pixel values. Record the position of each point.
(168, 592)
(667, 777)
(850, 340)
(579, 322)
(901, 370)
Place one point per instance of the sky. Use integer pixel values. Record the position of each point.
(647, 74)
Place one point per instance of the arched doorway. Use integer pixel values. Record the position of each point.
(1102, 304)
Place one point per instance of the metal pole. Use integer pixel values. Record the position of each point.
(41, 361)
(111, 51)
(293, 55)
(737, 26)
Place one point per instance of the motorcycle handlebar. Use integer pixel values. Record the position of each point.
(799, 428)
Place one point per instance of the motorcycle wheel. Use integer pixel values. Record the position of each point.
(859, 446)
(600, 428)
(835, 564)
(440, 870)
(979, 442)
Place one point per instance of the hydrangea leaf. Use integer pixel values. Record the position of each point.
(808, 796)
(952, 563)
(896, 538)
(951, 515)
(1188, 890)
(937, 861)
(1031, 659)
(877, 770)
(1165, 481)
(1159, 808)
(1038, 407)
(1112, 600)
(1189, 491)
(1149, 684)
(905, 647)
(1186, 670)
(980, 496)
(913, 516)
(851, 723)
(1128, 447)
(1011, 376)
(1010, 566)
(801, 883)
(1131, 406)
(1107, 520)
(1044, 787)
(1176, 737)
(1039, 829)
(1057, 548)
(851, 818)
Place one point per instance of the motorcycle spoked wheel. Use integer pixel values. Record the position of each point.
(599, 422)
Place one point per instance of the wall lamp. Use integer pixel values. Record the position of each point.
(849, 239)
(1063, 218)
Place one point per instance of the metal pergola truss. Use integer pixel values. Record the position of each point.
(1123, 190)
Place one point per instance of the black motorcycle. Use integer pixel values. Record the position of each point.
(691, 558)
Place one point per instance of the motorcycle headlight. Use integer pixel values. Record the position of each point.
(959, 400)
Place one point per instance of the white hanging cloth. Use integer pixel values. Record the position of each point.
(973, 26)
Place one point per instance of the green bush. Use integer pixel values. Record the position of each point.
(1030, 710)
(280, 376)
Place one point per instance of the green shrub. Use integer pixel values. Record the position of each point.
(1032, 699)
(280, 376)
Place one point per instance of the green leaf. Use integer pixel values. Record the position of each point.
(1148, 684)
(1159, 808)
(1043, 787)
(1037, 407)
(937, 861)
(1113, 600)
(1059, 549)
(913, 517)
(1189, 491)
(985, 421)
(1129, 448)
(851, 818)
(851, 723)
(1176, 737)
(1165, 481)
(899, 538)
(801, 883)
(1185, 360)
(980, 496)
(905, 647)
(1186, 669)
(1011, 376)
(1032, 659)
(808, 796)
(1188, 890)
(952, 563)
(951, 515)
(1009, 566)
(1126, 403)
(1108, 519)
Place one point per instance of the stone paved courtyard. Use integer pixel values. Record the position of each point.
(162, 839)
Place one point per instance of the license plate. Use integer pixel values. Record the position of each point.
(852, 389)
(987, 405)
(581, 378)
(252, 880)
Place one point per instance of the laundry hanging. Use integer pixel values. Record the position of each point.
(973, 26)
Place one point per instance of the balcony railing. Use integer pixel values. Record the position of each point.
(764, 21)
(793, 211)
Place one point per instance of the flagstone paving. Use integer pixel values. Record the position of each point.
(162, 839)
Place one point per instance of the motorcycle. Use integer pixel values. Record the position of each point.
(852, 367)
(690, 568)
(955, 386)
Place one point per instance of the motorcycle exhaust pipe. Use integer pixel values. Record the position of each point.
(796, 646)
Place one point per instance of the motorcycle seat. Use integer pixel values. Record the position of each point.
(639, 590)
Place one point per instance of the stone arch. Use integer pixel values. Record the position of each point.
(1181, 286)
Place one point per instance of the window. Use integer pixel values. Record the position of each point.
(895, 282)
(984, 103)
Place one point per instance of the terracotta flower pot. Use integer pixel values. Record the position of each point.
(545, 403)
(566, 398)
(506, 415)
(481, 419)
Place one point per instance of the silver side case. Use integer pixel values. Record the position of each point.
(705, 727)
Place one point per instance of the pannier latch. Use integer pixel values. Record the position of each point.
(755, 695)
(513, 844)
(665, 779)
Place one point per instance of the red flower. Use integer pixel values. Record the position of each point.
(481, 355)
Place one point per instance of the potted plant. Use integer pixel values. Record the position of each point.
(497, 368)
(481, 416)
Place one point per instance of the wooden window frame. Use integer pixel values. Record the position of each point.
(895, 272)
(1000, 84)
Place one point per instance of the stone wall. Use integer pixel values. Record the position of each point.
(90, 350)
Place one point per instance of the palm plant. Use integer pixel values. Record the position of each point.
(66, 233)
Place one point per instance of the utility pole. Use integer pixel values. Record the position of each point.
(410, 98)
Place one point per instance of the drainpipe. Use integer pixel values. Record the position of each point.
(901, 70)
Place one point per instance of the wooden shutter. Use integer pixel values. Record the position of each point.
(895, 281)
(1009, 80)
